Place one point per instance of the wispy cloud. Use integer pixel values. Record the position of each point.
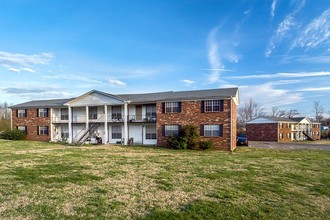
(24, 91)
(273, 8)
(188, 82)
(116, 83)
(213, 56)
(316, 33)
(72, 78)
(283, 75)
(315, 89)
(283, 29)
(307, 59)
(22, 62)
(271, 96)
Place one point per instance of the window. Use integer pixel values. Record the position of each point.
(116, 132)
(150, 132)
(65, 132)
(281, 135)
(171, 130)
(281, 125)
(21, 113)
(171, 107)
(151, 111)
(213, 105)
(92, 113)
(116, 112)
(43, 112)
(212, 130)
(288, 135)
(22, 128)
(43, 130)
(64, 114)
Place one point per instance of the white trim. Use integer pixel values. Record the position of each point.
(70, 124)
(106, 131)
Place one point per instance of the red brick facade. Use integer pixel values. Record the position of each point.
(191, 114)
(262, 132)
(32, 121)
(284, 132)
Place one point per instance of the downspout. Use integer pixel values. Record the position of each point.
(231, 125)
(11, 119)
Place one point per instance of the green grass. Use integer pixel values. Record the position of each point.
(52, 181)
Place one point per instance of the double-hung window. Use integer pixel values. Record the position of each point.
(171, 107)
(43, 130)
(22, 128)
(43, 112)
(116, 112)
(150, 131)
(116, 132)
(64, 114)
(151, 111)
(21, 113)
(211, 130)
(170, 130)
(213, 105)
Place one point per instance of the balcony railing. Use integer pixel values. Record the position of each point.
(150, 118)
(60, 119)
(142, 118)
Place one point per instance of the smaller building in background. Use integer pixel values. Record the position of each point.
(280, 129)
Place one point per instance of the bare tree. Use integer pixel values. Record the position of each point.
(276, 112)
(250, 110)
(292, 113)
(318, 111)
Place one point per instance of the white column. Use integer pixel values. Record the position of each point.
(106, 135)
(125, 123)
(51, 126)
(70, 125)
(87, 117)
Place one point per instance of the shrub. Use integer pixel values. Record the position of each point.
(177, 142)
(13, 135)
(191, 135)
(204, 145)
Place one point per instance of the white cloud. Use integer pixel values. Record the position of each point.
(316, 33)
(23, 62)
(273, 7)
(315, 89)
(188, 82)
(268, 95)
(71, 77)
(213, 56)
(284, 28)
(283, 75)
(116, 82)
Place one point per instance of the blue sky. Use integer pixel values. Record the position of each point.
(275, 51)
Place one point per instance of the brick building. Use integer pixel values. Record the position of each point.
(131, 118)
(280, 129)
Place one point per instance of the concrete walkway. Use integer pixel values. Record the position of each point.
(288, 145)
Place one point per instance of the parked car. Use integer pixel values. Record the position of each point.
(242, 141)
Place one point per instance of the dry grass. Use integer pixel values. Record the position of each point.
(51, 181)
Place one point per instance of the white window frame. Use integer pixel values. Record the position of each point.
(151, 132)
(22, 128)
(42, 112)
(43, 130)
(116, 132)
(116, 112)
(212, 105)
(172, 107)
(21, 113)
(171, 130)
(211, 130)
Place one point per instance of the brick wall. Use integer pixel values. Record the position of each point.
(262, 132)
(285, 130)
(32, 121)
(234, 121)
(316, 131)
(191, 114)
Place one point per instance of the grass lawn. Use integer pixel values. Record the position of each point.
(52, 181)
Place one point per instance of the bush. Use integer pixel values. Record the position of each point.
(204, 145)
(177, 142)
(191, 135)
(13, 135)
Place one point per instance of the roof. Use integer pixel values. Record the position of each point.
(267, 119)
(42, 103)
(143, 97)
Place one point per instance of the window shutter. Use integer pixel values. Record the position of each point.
(180, 106)
(163, 107)
(220, 130)
(25, 112)
(221, 105)
(202, 106)
(47, 112)
(201, 130)
(37, 112)
(26, 130)
(37, 130)
(17, 113)
(163, 130)
(47, 130)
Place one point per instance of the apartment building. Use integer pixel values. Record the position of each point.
(145, 119)
(280, 129)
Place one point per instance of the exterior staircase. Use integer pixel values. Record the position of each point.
(307, 135)
(86, 133)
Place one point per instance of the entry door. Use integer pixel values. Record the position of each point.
(138, 111)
